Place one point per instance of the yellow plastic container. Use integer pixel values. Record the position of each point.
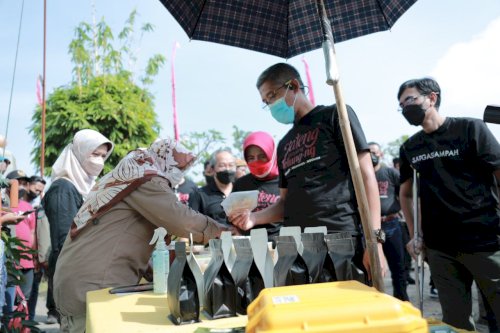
(347, 306)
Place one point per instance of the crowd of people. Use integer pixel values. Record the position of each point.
(100, 225)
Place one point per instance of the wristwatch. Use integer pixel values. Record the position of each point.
(379, 235)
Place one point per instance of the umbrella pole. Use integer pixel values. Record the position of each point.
(352, 157)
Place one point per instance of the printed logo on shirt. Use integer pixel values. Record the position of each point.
(434, 154)
(265, 199)
(300, 151)
(383, 187)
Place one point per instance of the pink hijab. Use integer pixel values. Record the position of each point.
(264, 141)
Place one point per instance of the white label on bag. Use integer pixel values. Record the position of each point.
(286, 299)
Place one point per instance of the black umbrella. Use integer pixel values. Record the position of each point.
(286, 28)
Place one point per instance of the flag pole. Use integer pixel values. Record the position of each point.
(42, 151)
(174, 106)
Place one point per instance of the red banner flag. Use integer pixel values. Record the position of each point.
(309, 81)
(39, 90)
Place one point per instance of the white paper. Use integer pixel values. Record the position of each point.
(240, 201)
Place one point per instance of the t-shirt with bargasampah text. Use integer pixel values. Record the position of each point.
(457, 190)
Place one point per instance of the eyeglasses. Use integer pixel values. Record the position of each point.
(410, 100)
(272, 96)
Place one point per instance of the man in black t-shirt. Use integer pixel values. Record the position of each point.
(388, 187)
(207, 200)
(315, 183)
(458, 163)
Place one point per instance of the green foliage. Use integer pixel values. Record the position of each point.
(111, 105)
(392, 148)
(202, 144)
(102, 95)
(15, 250)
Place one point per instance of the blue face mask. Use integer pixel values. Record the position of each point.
(282, 112)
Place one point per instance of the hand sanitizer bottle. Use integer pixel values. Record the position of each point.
(161, 265)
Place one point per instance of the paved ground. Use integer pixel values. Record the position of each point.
(431, 305)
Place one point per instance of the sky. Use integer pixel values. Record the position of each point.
(455, 41)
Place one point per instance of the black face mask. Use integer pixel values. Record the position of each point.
(208, 179)
(414, 114)
(375, 159)
(31, 195)
(226, 176)
(21, 192)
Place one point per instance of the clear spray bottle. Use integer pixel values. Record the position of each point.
(161, 261)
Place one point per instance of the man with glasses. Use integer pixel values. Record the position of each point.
(315, 183)
(458, 166)
(207, 199)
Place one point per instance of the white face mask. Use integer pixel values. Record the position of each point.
(93, 165)
(175, 176)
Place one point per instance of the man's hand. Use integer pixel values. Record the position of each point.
(415, 246)
(382, 260)
(242, 219)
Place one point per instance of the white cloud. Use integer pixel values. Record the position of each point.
(469, 73)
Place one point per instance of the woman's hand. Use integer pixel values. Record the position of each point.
(11, 218)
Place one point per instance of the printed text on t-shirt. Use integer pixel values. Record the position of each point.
(302, 147)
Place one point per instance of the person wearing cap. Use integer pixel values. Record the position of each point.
(241, 168)
(24, 231)
(36, 186)
(259, 151)
(73, 175)
(4, 164)
(8, 155)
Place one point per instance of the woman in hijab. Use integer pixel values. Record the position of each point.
(108, 245)
(73, 175)
(260, 154)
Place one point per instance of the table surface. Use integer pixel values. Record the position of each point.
(141, 312)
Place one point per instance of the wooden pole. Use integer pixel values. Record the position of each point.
(352, 157)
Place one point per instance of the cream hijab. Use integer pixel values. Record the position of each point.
(69, 164)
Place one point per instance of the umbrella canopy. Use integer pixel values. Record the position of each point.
(283, 28)
(286, 28)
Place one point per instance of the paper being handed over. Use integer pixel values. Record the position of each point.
(237, 201)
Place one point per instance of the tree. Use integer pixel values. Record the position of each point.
(102, 95)
(392, 148)
(203, 144)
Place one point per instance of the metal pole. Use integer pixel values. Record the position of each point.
(42, 151)
(419, 270)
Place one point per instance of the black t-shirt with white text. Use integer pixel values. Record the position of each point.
(388, 187)
(313, 167)
(458, 194)
(269, 193)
